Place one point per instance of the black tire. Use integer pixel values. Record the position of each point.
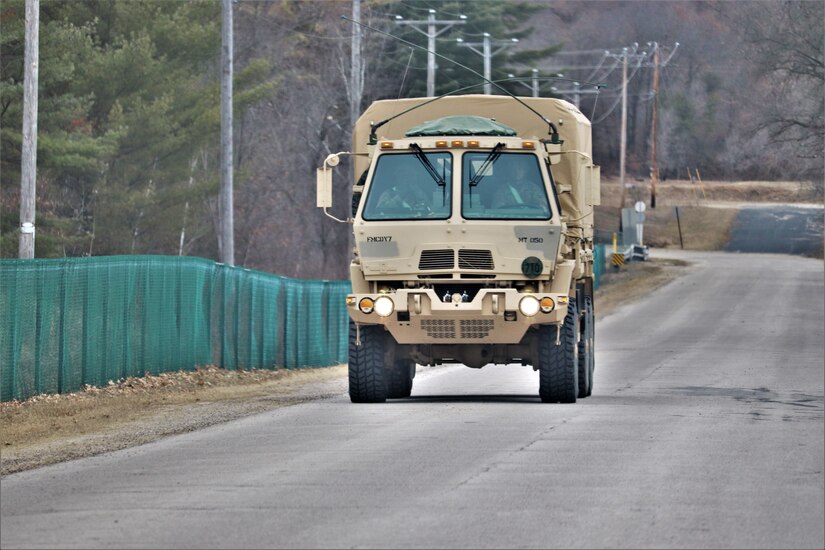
(559, 365)
(592, 324)
(366, 365)
(400, 379)
(586, 349)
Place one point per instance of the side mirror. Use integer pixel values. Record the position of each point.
(553, 152)
(323, 182)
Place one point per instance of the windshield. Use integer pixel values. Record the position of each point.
(509, 187)
(405, 187)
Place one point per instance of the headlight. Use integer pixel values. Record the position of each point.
(529, 306)
(384, 306)
(366, 305)
(547, 304)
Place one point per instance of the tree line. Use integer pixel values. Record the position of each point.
(128, 148)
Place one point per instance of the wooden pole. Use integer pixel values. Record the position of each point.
(654, 163)
(679, 224)
(701, 185)
(28, 167)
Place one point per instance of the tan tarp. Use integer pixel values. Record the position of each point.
(573, 127)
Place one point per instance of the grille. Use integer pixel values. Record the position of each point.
(476, 328)
(475, 259)
(438, 328)
(437, 259)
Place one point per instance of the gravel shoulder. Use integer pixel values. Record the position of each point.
(48, 429)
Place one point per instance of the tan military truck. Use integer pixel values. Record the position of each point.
(473, 233)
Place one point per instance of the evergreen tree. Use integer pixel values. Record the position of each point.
(128, 124)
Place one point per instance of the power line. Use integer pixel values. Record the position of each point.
(431, 33)
(487, 54)
(625, 81)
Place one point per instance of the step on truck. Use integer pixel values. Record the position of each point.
(472, 219)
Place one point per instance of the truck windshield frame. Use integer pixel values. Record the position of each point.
(512, 188)
(403, 188)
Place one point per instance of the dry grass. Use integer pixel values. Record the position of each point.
(51, 428)
(634, 281)
(687, 193)
(702, 228)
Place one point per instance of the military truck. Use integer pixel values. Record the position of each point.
(472, 219)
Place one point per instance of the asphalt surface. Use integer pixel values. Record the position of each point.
(705, 429)
(780, 229)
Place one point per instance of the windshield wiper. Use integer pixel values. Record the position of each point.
(440, 180)
(491, 158)
(481, 172)
(419, 154)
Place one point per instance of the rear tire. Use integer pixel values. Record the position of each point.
(559, 364)
(400, 379)
(366, 365)
(586, 350)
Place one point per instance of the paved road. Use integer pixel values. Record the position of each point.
(705, 430)
(782, 229)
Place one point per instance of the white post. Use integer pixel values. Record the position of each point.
(431, 54)
(28, 167)
(623, 137)
(226, 240)
(488, 89)
(356, 72)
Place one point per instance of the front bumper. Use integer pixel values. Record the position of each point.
(492, 317)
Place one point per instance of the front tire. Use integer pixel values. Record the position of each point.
(559, 364)
(366, 365)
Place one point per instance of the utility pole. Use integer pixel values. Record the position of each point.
(431, 33)
(226, 234)
(654, 163)
(623, 140)
(486, 52)
(534, 81)
(356, 69)
(623, 58)
(28, 167)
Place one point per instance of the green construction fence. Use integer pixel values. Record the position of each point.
(65, 323)
(598, 264)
